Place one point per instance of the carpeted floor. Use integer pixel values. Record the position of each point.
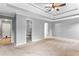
(45, 47)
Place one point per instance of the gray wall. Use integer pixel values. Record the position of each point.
(20, 29)
(13, 34)
(51, 29)
(37, 30)
(68, 29)
(0, 28)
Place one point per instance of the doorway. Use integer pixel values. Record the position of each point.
(5, 27)
(29, 30)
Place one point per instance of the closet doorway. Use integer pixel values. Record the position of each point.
(28, 30)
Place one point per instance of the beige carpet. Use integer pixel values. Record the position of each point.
(45, 47)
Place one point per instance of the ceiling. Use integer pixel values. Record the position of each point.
(62, 10)
(38, 10)
(68, 10)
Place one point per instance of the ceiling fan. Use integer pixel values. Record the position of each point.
(55, 6)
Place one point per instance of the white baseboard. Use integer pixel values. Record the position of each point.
(65, 39)
(35, 40)
(71, 40)
(19, 44)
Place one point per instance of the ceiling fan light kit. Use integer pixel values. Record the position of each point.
(55, 6)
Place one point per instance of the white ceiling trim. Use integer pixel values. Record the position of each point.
(47, 18)
(66, 18)
(51, 13)
(27, 11)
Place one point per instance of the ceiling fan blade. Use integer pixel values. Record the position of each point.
(63, 4)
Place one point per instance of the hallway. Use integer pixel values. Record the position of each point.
(48, 47)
